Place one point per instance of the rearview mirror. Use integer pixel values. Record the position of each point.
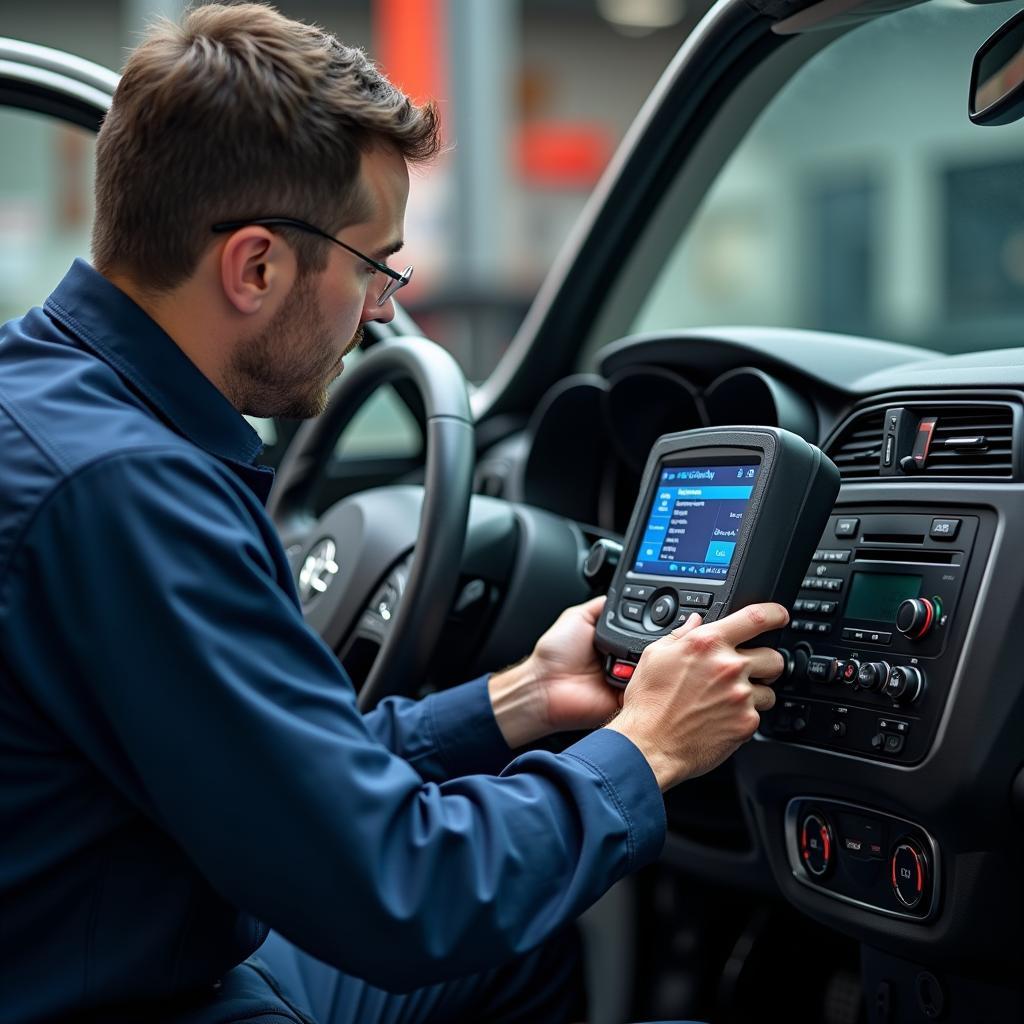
(997, 79)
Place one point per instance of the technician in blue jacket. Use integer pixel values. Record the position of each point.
(182, 763)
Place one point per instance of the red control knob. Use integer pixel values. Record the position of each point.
(908, 869)
(815, 839)
(915, 617)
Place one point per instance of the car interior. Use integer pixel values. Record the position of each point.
(816, 224)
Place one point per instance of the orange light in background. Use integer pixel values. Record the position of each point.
(563, 154)
(409, 43)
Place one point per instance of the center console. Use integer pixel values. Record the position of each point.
(871, 646)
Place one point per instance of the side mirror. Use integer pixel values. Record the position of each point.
(997, 78)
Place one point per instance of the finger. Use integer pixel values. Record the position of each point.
(749, 622)
(763, 697)
(765, 663)
(688, 626)
(591, 610)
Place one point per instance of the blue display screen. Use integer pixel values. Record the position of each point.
(695, 519)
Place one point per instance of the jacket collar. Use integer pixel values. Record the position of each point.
(122, 334)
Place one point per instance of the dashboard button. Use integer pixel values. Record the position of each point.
(893, 743)
(821, 669)
(637, 593)
(694, 599)
(828, 607)
(944, 529)
(847, 527)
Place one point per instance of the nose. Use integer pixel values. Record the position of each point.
(381, 314)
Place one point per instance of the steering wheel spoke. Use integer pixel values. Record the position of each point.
(341, 557)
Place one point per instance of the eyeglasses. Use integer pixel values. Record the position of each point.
(396, 280)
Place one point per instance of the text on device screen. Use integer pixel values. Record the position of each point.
(695, 519)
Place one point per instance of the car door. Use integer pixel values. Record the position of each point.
(51, 106)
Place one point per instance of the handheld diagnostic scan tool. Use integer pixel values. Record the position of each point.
(726, 517)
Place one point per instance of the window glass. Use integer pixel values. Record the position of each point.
(46, 205)
(864, 201)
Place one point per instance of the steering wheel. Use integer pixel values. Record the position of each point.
(353, 565)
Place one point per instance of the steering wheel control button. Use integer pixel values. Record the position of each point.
(816, 845)
(944, 529)
(632, 610)
(694, 599)
(916, 617)
(623, 670)
(847, 527)
(905, 684)
(908, 873)
(663, 610)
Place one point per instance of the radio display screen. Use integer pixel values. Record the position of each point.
(875, 596)
(695, 518)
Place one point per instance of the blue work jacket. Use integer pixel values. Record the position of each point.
(182, 762)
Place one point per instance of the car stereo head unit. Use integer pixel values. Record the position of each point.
(726, 517)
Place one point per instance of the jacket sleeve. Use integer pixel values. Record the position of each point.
(445, 735)
(154, 630)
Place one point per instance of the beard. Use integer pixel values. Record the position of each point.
(287, 368)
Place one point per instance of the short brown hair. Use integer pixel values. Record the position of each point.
(239, 112)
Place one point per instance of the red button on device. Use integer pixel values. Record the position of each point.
(623, 670)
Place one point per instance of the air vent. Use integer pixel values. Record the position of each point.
(858, 448)
(968, 441)
(971, 441)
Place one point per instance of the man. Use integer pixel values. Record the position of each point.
(182, 765)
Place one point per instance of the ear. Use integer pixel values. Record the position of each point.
(257, 268)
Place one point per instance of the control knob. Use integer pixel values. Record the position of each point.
(904, 684)
(816, 844)
(916, 617)
(908, 872)
(873, 675)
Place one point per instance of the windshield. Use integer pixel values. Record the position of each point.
(864, 201)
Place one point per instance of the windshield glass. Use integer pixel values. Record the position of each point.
(864, 201)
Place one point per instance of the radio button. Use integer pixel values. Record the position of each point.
(828, 607)
(847, 527)
(905, 684)
(632, 610)
(944, 529)
(810, 605)
(873, 676)
(637, 593)
(694, 599)
(822, 628)
(915, 617)
(821, 669)
(832, 583)
(847, 671)
(857, 636)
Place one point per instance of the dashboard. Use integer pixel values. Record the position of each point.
(884, 795)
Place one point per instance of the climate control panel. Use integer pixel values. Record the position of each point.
(868, 652)
(863, 856)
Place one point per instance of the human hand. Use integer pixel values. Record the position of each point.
(693, 699)
(560, 686)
